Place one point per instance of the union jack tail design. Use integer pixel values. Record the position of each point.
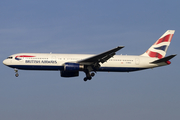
(159, 48)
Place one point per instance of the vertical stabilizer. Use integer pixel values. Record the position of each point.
(159, 48)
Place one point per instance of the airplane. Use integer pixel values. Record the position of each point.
(70, 65)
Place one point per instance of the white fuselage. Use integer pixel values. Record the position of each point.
(41, 61)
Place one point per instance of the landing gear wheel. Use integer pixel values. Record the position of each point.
(16, 71)
(85, 79)
(92, 74)
(90, 78)
(16, 74)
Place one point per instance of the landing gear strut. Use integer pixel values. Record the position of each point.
(16, 72)
(91, 68)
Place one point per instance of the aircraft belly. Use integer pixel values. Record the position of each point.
(37, 67)
(120, 69)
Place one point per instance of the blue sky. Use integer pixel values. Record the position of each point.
(70, 26)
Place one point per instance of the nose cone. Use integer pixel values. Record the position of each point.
(5, 62)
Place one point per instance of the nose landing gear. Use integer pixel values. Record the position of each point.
(16, 72)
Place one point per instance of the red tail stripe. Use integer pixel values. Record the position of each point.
(154, 54)
(166, 38)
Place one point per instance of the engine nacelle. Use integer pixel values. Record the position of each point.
(69, 73)
(73, 67)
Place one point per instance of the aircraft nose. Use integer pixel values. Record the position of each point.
(5, 62)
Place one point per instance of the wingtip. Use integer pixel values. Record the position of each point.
(174, 55)
(120, 46)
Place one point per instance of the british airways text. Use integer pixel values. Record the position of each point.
(43, 61)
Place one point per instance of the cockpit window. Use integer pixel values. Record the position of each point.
(10, 58)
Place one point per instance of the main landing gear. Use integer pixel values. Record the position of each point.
(88, 70)
(16, 72)
(89, 76)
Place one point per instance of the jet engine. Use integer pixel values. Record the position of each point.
(71, 69)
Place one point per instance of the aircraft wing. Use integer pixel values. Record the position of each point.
(103, 57)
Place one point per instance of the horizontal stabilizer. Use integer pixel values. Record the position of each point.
(165, 59)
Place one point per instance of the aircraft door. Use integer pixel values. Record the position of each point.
(137, 61)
